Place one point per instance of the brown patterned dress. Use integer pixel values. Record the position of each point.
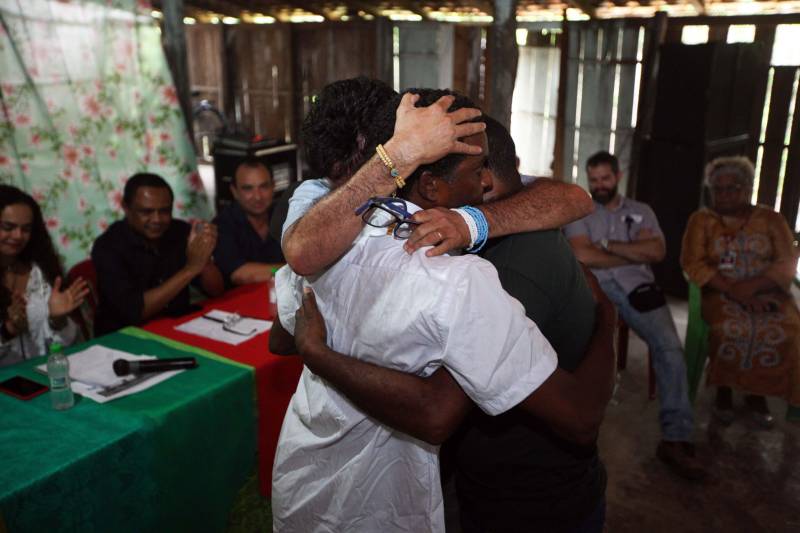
(758, 353)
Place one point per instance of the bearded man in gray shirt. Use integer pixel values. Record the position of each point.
(618, 241)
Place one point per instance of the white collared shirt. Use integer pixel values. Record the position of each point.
(337, 469)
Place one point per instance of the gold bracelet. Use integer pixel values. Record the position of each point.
(387, 161)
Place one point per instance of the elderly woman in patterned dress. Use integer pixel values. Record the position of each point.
(743, 257)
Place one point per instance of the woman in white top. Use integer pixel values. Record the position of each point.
(33, 307)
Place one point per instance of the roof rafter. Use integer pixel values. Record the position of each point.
(584, 5)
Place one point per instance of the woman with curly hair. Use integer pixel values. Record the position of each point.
(743, 257)
(34, 308)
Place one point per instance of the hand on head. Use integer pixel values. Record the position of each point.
(426, 134)
(63, 302)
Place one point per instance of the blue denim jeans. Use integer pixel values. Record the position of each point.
(657, 329)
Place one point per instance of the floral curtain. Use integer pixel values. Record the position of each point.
(87, 100)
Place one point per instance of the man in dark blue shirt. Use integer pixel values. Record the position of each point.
(245, 252)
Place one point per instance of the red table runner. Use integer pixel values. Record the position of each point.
(276, 376)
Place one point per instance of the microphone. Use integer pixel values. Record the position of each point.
(123, 367)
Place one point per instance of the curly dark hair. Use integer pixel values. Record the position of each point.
(40, 249)
(382, 128)
(334, 131)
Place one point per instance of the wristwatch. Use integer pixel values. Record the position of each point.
(604, 244)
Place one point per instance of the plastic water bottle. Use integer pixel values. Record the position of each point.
(273, 296)
(58, 372)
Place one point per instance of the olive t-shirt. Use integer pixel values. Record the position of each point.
(512, 472)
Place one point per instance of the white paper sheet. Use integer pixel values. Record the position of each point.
(212, 326)
(92, 374)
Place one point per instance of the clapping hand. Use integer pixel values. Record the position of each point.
(200, 246)
(17, 321)
(63, 302)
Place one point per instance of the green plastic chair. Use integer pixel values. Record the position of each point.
(696, 349)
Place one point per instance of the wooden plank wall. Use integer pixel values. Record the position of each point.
(778, 150)
(777, 86)
(204, 56)
(324, 53)
(790, 196)
(264, 79)
(263, 76)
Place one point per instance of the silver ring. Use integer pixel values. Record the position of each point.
(439, 234)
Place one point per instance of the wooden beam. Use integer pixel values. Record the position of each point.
(366, 8)
(503, 57)
(265, 8)
(416, 8)
(307, 6)
(584, 5)
(174, 41)
(217, 6)
(741, 19)
(700, 6)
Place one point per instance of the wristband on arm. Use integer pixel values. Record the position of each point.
(478, 227)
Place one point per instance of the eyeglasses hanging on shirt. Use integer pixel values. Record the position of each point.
(630, 219)
(385, 212)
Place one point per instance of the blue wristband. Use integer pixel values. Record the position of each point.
(483, 228)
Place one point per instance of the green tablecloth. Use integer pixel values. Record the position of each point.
(167, 459)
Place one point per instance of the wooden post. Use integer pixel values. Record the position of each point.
(230, 77)
(647, 97)
(561, 107)
(503, 57)
(384, 70)
(174, 42)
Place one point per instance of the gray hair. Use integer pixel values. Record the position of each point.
(737, 166)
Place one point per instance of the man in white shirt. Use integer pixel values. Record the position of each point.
(337, 469)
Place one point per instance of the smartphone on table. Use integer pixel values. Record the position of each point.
(22, 387)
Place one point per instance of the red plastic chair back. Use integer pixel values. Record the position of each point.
(84, 315)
